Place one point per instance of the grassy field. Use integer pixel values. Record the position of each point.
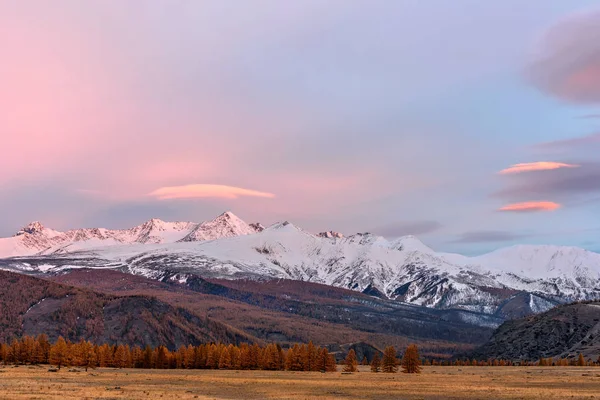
(26, 382)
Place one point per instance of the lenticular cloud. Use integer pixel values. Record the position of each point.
(206, 191)
(535, 166)
(531, 206)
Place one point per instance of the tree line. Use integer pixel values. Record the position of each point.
(300, 357)
(39, 350)
(580, 361)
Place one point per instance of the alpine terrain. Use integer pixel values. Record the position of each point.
(507, 283)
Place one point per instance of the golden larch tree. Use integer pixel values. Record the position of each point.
(376, 363)
(59, 353)
(351, 363)
(411, 363)
(390, 363)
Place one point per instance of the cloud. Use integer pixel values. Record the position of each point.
(408, 228)
(488, 236)
(535, 166)
(566, 62)
(531, 206)
(568, 144)
(198, 191)
(561, 183)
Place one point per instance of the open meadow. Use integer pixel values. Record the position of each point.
(35, 382)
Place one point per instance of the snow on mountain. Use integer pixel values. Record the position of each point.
(331, 235)
(225, 225)
(36, 239)
(508, 282)
(543, 262)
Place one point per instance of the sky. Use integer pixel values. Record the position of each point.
(473, 125)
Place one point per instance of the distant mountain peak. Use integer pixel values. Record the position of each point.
(225, 225)
(410, 243)
(330, 235)
(154, 222)
(32, 228)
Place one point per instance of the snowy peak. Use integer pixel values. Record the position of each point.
(225, 225)
(331, 235)
(367, 238)
(36, 239)
(410, 243)
(33, 228)
(543, 262)
(257, 226)
(159, 231)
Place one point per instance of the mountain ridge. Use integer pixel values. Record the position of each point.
(510, 282)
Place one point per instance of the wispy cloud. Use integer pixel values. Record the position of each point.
(198, 191)
(531, 206)
(489, 236)
(567, 144)
(536, 166)
(567, 59)
(562, 184)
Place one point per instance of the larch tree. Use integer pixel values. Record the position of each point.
(59, 353)
(364, 361)
(581, 361)
(411, 363)
(376, 363)
(351, 363)
(225, 359)
(390, 363)
(331, 364)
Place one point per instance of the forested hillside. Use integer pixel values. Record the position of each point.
(30, 306)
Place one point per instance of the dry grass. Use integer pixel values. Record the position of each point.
(435, 383)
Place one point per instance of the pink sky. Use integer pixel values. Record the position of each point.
(115, 112)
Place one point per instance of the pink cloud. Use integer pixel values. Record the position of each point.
(567, 59)
(206, 191)
(536, 166)
(531, 206)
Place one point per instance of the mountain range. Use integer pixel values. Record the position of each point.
(507, 283)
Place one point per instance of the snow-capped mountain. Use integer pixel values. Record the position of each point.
(225, 225)
(35, 239)
(509, 282)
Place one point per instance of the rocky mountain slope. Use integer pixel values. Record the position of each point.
(562, 332)
(287, 312)
(30, 306)
(508, 283)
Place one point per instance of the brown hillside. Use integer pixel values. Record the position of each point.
(31, 306)
(564, 331)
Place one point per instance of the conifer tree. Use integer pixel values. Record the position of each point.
(121, 356)
(581, 361)
(351, 363)
(310, 358)
(59, 353)
(234, 353)
(390, 364)
(225, 359)
(364, 361)
(213, 357)
(376, 363)
(331, 364)
(411, 363)
(161, 358)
